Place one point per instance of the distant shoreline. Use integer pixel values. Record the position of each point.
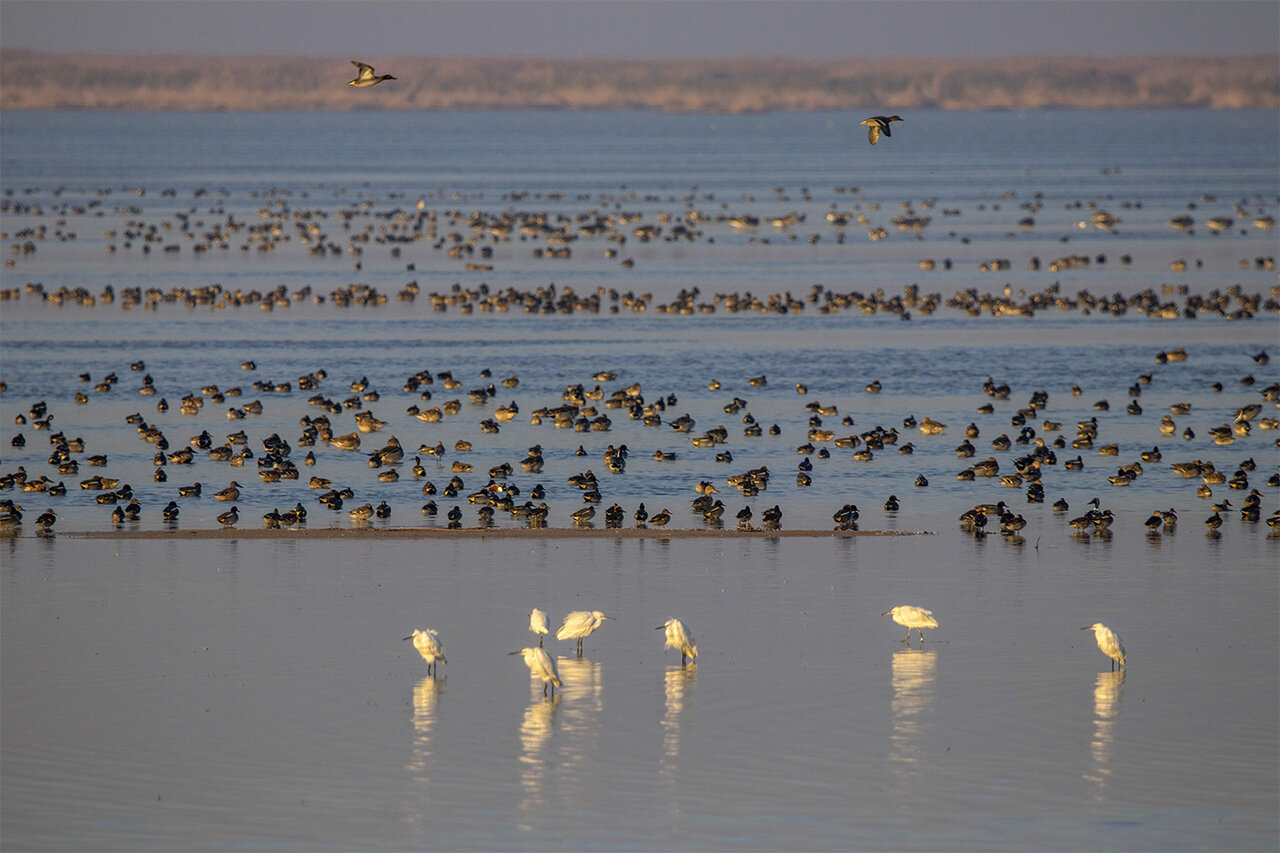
(42, 81)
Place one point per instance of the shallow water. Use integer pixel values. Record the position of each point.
(249, 694)
(237, 695)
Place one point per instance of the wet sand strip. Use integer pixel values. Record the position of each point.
(479, 533)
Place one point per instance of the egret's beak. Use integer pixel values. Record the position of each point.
(1086, 627)
(886, 613)
(606, 617)
(410, 637)
(520, 652)
(660, 627)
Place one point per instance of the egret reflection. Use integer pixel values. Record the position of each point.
(679, 681)
(582, 693)
(1107, 690)
(914, 673)
(426, 694)
(535, 733)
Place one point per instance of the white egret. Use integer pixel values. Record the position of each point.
(579, 624)
(541, 666)
(1109, 642)
(538, 624)
(429, 646)
(912, 617)
(680, 637)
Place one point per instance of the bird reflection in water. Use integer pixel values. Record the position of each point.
(582, 692)
(914, 673)
(535, 733)
(1107, 690)
(679, 682)
(426, 693)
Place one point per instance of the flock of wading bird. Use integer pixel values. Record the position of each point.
(586, 410)
(580, 624)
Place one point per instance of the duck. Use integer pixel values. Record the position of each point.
(230, 493)
(877, 125)
(661, 519)
(366, 77)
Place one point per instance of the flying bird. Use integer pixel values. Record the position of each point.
(878, 124)
(366, 77)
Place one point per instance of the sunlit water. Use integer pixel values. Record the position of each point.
(239, 695)
(246, 695)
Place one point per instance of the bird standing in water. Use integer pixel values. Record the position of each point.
(541, 666)
(429, 646)
(912, 617)
(877, 125)
(580, 624)
(538, 624)
(1109, 642)
(680, 637)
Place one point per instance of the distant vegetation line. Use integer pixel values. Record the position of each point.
(40, 81)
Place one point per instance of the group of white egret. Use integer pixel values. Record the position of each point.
(918, 618)
(577, 625)
(580, 624)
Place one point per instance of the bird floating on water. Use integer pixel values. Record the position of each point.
(912, 617)
(579, 624)
(680, 637)
(429, 646)
(366, 77)
(877, 125)
(1109, 642)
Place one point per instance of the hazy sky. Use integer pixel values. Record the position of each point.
(811, 29)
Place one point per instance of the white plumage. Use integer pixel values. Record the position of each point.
(541, 666)
(428, 644)
(538, 624)
(912, 617)
(1109, 642)
(579, 624)
(681, 638)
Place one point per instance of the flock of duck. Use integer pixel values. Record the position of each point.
(472, 236)
(587, 410)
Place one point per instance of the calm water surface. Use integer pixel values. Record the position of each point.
(238, 694)
(246, 695)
